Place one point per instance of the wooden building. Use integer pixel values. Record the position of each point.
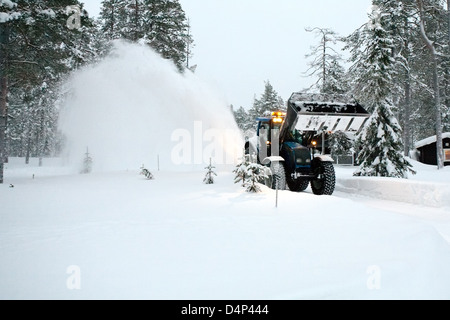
(427, 152)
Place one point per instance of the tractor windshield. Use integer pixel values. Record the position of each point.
(295, 136)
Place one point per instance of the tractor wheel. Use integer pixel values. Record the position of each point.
(278, 180)
(325, 182)
(297, 185)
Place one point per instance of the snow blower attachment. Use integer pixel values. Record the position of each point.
(287, 143)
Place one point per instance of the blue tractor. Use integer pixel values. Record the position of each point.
(292, 143)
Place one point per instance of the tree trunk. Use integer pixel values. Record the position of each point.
(41, 138)
(407, 114)
(448, 15)
(4, 39)
(27, 155)
(438, 115)
(3, 122)
(437, 97)
(324, 62)
(407, 132)
(28, 149)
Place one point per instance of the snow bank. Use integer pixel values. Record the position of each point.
(414, 192)
(135, 106)
(430, 187)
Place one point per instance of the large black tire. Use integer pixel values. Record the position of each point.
(326, 181)
(278, 178)
(298, 185)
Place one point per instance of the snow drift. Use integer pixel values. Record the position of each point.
(135, 107)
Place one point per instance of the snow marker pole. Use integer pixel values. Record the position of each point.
(276, 198)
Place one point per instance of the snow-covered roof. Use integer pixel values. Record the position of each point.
(431, 140)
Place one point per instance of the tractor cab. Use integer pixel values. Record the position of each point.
(268, 133)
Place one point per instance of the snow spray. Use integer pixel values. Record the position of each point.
(134, 107)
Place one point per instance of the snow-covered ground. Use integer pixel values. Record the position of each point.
(116, 235)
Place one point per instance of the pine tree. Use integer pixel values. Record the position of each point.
(87, 163)
(160, 24)
(8, 14)
(269, 102)
(209, 177)
(112, 16)
(245, 122)
(326, 63)
(340, 144)
(170, 32)
(373, 71)
(255, 173)
(146, 173)
(419, 48)
(42, 50)
(373, 63)
(336, 81)
(381, 155)
(241, 170)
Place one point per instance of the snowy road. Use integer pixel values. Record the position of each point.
(439, 218)
(118, 236)
(411, 203)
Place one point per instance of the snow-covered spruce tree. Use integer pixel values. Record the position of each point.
(87, 163)
(146, 173)
(32, 128)
(161, 24)
(381, 154)
(209, 177)
(245, 122)
(381, 144)
(112, 15)
(255, 174)
(340, 144)
(269, 101)
(241, 170)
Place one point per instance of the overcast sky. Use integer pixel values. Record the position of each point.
(239, 44)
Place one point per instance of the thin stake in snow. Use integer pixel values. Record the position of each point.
(276, 198)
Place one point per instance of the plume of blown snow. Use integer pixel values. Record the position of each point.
(134, 108)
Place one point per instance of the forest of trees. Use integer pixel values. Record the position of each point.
(41, 42)
(399, 69)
